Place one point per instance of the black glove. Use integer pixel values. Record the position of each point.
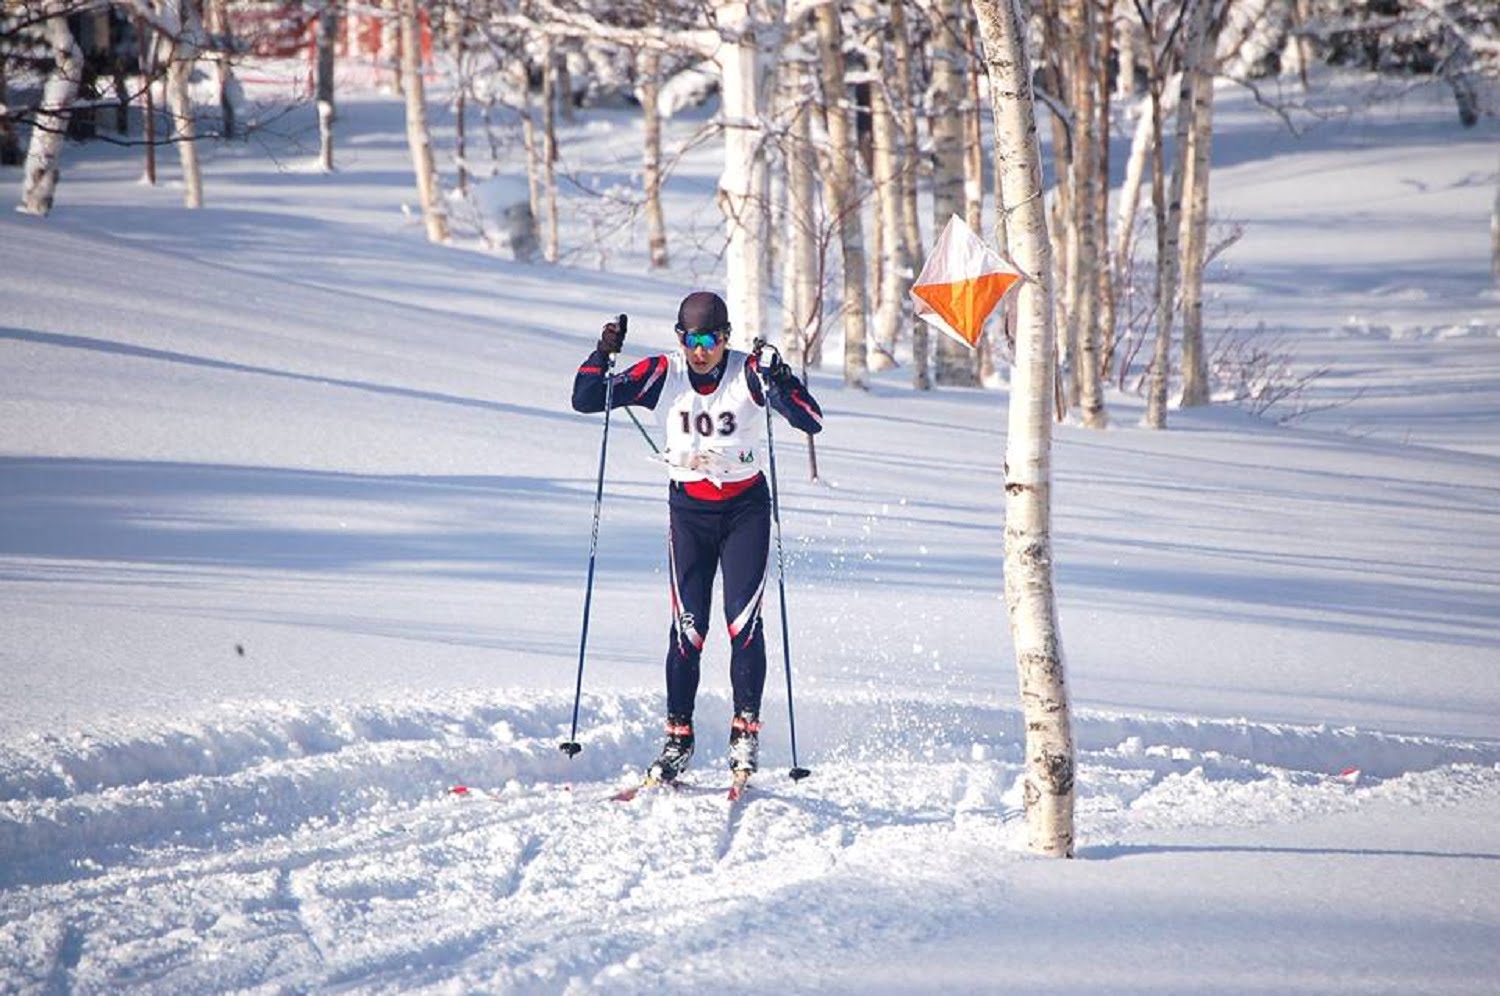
(774, 369)
(611, 340)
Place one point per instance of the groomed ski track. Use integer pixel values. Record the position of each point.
(293, 848)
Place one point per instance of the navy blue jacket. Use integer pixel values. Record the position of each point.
(641, 385)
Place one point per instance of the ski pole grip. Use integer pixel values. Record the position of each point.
(758, 349)
(623, 322)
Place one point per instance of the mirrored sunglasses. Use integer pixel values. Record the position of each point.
(703, 340)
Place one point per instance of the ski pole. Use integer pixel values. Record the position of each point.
(649, 441)
(571, 746)
(797, 771)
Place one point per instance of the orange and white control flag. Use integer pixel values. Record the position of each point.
(961, 283)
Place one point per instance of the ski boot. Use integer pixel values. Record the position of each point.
(744, 744)
(675, 753)
(744, 751)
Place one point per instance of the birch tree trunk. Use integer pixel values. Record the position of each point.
(549, 149)
(955, 361)
(181, 15)
(744, 185)
(1195, 386)
(1079, 32)
(1301, 47)
(893, 261)
(800, 282)
(1127, 46)
(842, 195)
(530, 140)
(1050, 765)
(1105, 269)
(216, 18)
(44, 151)
(1168, 208)
(418, 136)
(973, 135)
(10, 143)
(909, 174)
(328, 32)
(983, 357)
(148, 41)
(1155, 416)
(1136, 165)
(656, 222)
(455, 34)
(390, 42)
(800, 273)
(562, 91)
(1054, 73)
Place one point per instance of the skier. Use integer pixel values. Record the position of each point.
(710, 399)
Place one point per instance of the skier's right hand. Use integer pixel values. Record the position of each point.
(611, 340)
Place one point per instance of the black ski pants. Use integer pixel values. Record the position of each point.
(706, 537)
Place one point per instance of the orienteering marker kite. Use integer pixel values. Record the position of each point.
(961, 283)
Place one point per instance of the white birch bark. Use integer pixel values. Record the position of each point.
(1050, 765)
(1169, 224)
(390, 42)
(982, 358)
(552, 248)
(418, 135)
(744, 184)
(842, 194)
(1141, 148)
(181, 16)
(549, 150)
(1298, 55)
(895, 263)
(909, 175)
(230, 96)
(651, 174)
(955, 361)
(1195, 386)
(44, 152)
(530, 140)
(800, 281)
(1079, 28)
(892, 287)
(1104, 269)
(1127, 46)
(1064, 233)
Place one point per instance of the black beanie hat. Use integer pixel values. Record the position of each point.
(702, 311)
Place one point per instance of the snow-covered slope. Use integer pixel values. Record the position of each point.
(293, 524)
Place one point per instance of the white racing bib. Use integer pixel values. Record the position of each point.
(711, 437)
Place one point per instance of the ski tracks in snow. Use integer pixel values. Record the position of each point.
(281, 848)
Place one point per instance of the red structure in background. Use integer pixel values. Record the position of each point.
(285, 30)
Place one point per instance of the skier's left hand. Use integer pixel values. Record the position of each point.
(773, 369)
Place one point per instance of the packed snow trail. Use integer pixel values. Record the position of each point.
(284, 848)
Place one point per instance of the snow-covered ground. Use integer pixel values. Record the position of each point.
(294, 518)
